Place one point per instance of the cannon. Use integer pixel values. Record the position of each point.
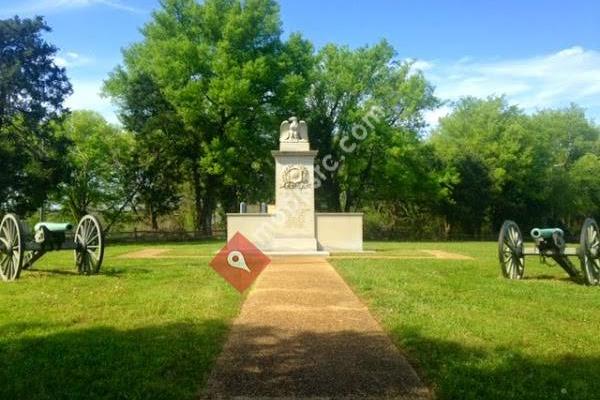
(19, 249)
(551, 243)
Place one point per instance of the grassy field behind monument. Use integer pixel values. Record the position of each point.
(475, 335)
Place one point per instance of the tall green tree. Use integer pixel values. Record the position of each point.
(533, 161)
(500, 136)
(154, 167)
(98, 160)
(365, 111)
(224, 69)
(32, 91)
(468, 205)
(568, 142)
(585, 186)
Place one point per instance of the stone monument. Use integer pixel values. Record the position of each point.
(294, 227)
(294, 191)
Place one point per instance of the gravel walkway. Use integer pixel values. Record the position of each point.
(303, 334)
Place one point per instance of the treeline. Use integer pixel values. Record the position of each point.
(201, 97)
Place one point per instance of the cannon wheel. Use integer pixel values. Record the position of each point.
(510, 251)
(11, 254)
(590, 252)
(89, 245)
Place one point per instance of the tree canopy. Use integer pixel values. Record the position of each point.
(531, 163)
(32, 91)
(201, 97)
(225, 73)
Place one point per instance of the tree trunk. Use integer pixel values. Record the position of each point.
(331, 192)
(154, 219)
(208, 201)
(207, 220)
(197, 198)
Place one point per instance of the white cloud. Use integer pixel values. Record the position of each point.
(551, 80)
(86, 96)
(420, 65)
(71, 59)
(39, 6)
(432, 117)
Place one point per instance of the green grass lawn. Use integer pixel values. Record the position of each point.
(151, 328)
(142, 329)
(475, 335)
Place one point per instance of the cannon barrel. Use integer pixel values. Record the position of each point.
(54, 226)
(546, 233)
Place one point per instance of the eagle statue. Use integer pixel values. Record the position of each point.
(293, 130)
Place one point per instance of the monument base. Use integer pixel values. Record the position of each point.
(316, 253)
(335, 233)
(295, 244)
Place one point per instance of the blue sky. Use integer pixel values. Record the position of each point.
(539, 53)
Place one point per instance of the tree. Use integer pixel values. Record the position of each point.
(223, 68)
(501, 137)
(32, 91)
(563, 137)
(365, 111)
(154, 166)
(98, 161)
(586, 186)
(536, 163)
(468, 205)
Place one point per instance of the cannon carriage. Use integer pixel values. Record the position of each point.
(19, 249)
(550, 243)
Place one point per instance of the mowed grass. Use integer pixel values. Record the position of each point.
(142, 329)
(152, 328)
(475, 335)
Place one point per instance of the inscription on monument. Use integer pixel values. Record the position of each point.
(298, 219)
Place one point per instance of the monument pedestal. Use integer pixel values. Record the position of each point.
(294, 199)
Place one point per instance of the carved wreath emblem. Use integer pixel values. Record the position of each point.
(295, 177)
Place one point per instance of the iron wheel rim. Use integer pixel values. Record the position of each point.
(590, 251)
(89, 245)
(510, 251)
(11, 259)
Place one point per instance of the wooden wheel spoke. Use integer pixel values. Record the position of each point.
(88, 231)
(93, 254)
(93, 238)
(11, 268)
(84, 231)
(512, 248)
(510, 268)
(12, 234)
(5, 232)
(4, 262)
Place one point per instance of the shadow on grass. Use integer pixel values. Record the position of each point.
(172, 362)
(456, 371)
(52, 271)
(543, 277)
(111, 272)
(159, 362)
(578, 280)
